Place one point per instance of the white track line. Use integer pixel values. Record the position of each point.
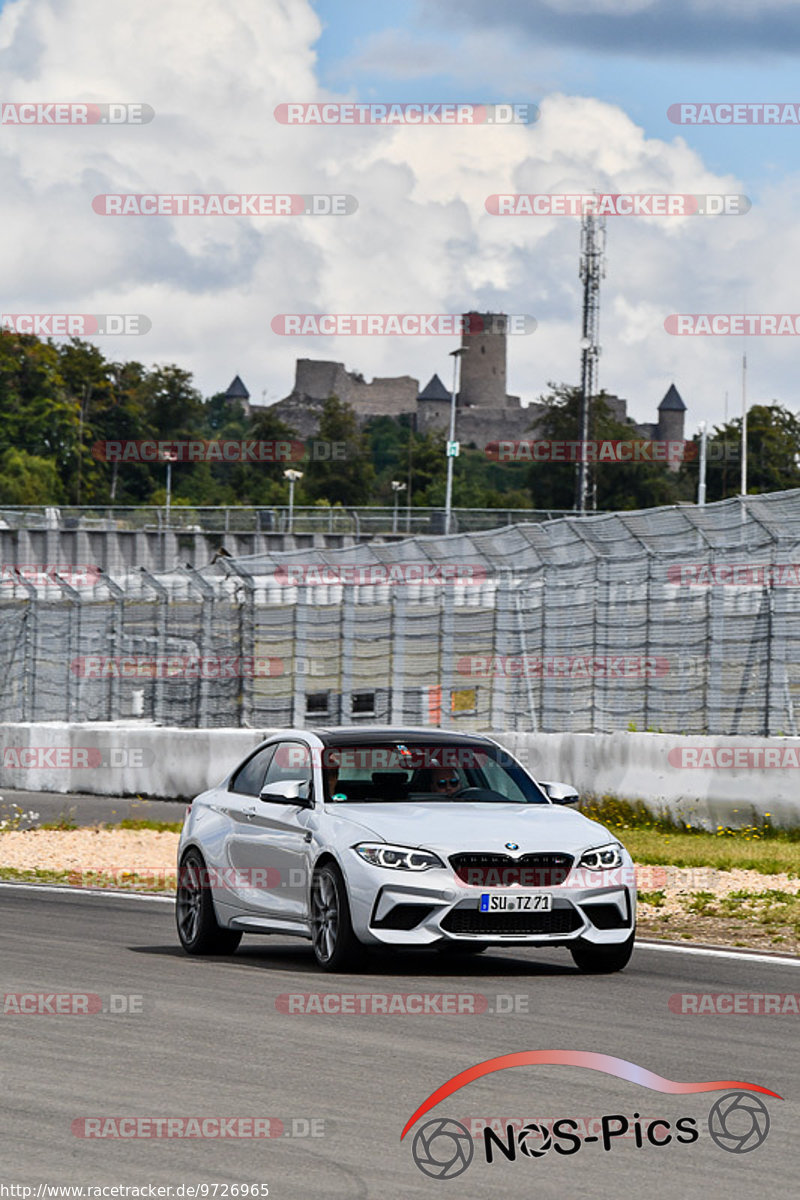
(97, 892)
(676, 948)
(753, 956)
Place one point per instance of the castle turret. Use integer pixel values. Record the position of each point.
(237, 391)
(483, 368)
(671, 416)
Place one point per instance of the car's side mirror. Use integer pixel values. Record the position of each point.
(560, 793)
(288, 791)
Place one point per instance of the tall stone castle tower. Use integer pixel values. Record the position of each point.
(483, 367)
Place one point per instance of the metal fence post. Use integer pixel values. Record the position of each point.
(29, 647)
(347, 650)
(73, 639)
(300, 645)
(118, 596)
(497, 683)
(161, 592)
(447, 655)
(247, 637)
(399, 600)
(207, 598)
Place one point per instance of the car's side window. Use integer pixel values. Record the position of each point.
(292, 760)
(249, 779)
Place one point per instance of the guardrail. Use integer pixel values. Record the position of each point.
(359, 522)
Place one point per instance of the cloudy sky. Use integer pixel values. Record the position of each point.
(603, 73)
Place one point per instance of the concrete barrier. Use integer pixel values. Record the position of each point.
(106, 759)
(705, 780)
(734, 780)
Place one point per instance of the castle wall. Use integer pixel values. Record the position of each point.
(384, 396)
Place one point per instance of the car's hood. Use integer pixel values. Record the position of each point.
(450, 827)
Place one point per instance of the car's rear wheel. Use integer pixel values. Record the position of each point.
(602, 960)
(198, 929)
(336, 947)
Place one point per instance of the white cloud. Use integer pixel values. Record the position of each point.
(421, 241)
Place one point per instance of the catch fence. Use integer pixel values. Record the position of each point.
(679, 619)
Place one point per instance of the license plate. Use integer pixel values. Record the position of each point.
(528, 902)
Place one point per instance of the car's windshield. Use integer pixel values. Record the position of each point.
(408, 773)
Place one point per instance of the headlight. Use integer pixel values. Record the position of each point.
(603, 858)
(398, 858)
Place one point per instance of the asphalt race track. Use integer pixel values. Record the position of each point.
(211, 1042)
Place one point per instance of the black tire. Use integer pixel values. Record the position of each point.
(602, 960)
(336, 947)
(197, 925)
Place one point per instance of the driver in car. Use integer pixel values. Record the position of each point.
(330, 771)
(444, 782)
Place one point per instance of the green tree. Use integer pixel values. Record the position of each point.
(27, 479)
(620, 486)
(773, 454)
(347, 478)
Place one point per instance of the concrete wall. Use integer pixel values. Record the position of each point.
(141, 759)
(116, 550)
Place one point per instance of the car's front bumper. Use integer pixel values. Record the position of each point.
(423, 911)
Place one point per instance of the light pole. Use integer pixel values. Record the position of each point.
(701, 486)
(397, 488)
(743, 488)
(452, 444)
(292, 476)
(170, 456)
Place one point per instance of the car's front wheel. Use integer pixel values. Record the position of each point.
(602, 960)
(198, 929)
(336, 947)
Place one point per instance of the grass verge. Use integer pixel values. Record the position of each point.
(663, 841)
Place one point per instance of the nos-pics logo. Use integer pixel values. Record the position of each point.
(443, 1148)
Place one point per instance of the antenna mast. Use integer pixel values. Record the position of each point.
(592, 270)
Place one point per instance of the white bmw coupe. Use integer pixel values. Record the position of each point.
(368, 836)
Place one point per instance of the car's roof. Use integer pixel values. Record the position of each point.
(350, 735)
